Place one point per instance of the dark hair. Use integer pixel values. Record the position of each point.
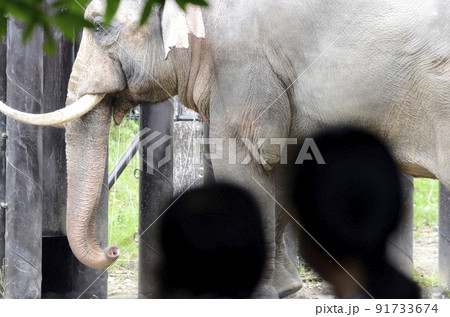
(212, 244)
(352, 202)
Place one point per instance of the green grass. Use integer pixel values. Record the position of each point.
(425, 281)
(307, 274)
(123, 197)
(2, 280)
(426, 203)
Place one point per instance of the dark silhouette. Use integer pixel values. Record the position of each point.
(212, 244)
(349, 206)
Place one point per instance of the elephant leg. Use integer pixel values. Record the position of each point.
(287, 280)
(239, 109)
(252, 178)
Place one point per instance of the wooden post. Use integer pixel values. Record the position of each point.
(38, 258)
(56, 254)
(24, 194)
(444, 236)
(56, 73)
(400, 243)
(2, 155)
(155, 188)
(208, 172)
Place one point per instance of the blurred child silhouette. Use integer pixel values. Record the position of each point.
(347, 208)
(212, 244)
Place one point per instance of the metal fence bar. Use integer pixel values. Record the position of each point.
(132, 150)
(176, 117)
(185, 117)
(124, 161)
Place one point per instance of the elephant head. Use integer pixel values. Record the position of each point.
(117, 67)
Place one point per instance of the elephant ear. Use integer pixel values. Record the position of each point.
(176, 25)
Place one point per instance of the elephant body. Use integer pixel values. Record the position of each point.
(383, 66)
(280, 69)
(260, 69)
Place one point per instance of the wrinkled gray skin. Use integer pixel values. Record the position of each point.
(381, 65)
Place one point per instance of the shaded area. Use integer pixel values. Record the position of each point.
(348, 207)
(212, 244)
(155, 188)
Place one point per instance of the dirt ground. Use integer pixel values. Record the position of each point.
(124, 284)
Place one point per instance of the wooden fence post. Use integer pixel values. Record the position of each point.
(39, 262)
(24, 195)
(56, 254)
(155, 188)
(2, 156)
(444, 236)
(208, 172)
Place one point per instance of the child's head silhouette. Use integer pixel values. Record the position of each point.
(212, 244)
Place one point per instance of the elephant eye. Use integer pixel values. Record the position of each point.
(98, 26)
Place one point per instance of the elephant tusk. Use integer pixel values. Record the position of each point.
(58, 117)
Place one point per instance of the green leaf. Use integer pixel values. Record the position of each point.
(70, 16)
(68, 22)
(28, 31)
(147, 10)
(202, 3)
(21, 11)
(78, 6)
(3, 21)
(49, 44)
(60, 4)
(183, 3)
(111, 9)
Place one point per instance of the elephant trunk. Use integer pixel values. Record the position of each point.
(86, 148)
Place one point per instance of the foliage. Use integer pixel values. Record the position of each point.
(123, 215)
(64, 15)
(307, 274)
(424, 280)
(426, 202)
(2, 280)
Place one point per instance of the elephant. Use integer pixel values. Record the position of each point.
(259, 71)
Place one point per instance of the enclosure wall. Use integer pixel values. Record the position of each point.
(24, 194)
(2, 155)
(39, 260)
